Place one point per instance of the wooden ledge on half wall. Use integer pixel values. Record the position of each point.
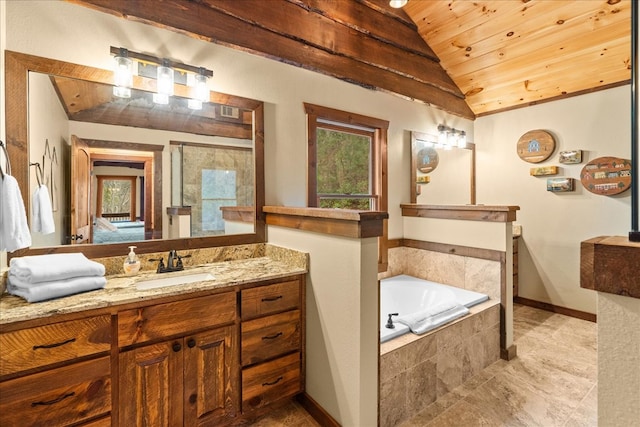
(490, 213)
(337, 222)
(610, 264)
(238, 213)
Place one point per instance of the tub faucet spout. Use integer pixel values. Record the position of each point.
(390, 324)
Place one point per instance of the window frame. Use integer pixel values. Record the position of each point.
(318, 114)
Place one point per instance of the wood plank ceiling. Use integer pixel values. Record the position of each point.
(506, 53)
(467, 57)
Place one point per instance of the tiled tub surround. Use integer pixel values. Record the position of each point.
(474, 274)
(415, 370)
(230, 265)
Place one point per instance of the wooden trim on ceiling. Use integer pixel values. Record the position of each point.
(462, 212)
(335, 222)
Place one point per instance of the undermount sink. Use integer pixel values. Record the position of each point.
(174, 280)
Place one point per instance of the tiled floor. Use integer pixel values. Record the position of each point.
(552, 382)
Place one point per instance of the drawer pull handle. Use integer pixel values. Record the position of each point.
(36, 347)
(271, 299)
(176, 347)
(280, 378)
(272, 337)
(191, 343)
(53, 401)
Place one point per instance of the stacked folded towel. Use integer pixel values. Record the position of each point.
(43, 277)
(439, 314)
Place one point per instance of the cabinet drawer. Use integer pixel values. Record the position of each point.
(61, 396)
(270, 381)
(270, 299)
(44, 345)
(180, 317)
(271, 336)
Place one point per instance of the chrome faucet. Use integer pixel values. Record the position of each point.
(174, 262)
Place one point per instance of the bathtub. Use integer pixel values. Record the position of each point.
(406, 294)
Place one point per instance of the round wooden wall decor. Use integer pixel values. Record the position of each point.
(606, 175)
(536, 146)
(427, 160)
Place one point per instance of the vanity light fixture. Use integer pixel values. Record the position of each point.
(450, 137)
(123, 74)
(397, 3)
(166, 73)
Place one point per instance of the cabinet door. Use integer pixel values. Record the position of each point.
(211, 378)
(151, 390)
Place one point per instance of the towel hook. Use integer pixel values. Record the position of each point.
(8, 162)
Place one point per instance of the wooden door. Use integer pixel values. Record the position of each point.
(151, 387)
(80, 193)
(211, 383)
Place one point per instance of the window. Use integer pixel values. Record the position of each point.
(116, 197)
(347, 163)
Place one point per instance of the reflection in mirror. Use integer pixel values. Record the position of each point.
(209, 178)
(93, 134)
(441, 176)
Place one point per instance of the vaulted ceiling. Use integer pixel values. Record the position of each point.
(506, 53)
(467, 57)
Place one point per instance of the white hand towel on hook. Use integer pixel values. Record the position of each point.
(14, 231)
(42, 213)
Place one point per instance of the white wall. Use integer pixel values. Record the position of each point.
(342, 323)
(554, 224)
(51, 125)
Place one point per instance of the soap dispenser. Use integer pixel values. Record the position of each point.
(131, 264)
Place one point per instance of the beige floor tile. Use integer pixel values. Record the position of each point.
(552, 382)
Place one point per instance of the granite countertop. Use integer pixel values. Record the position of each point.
(121, 289)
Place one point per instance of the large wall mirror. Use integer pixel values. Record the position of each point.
(123, 170)
(442, 176)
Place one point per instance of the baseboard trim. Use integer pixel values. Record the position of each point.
(316, 411)
(556, 309)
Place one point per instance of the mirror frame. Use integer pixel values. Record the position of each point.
(415, 136)
(17, 68)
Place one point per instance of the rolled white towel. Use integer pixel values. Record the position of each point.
(53, 267)
(54, 289)
(423, 321)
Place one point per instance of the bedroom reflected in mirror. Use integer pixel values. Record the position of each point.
(442, 173)
(70, 123)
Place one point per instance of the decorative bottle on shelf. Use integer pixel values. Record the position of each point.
(131, 264)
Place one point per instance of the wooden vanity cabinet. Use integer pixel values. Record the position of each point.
(272, 339)
(213, 359)
(57, 374)
(189, 380)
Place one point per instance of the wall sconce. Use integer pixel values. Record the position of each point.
(397, 3)
(450, 137)
(166, 74)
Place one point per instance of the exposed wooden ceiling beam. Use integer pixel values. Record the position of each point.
(348, 40)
